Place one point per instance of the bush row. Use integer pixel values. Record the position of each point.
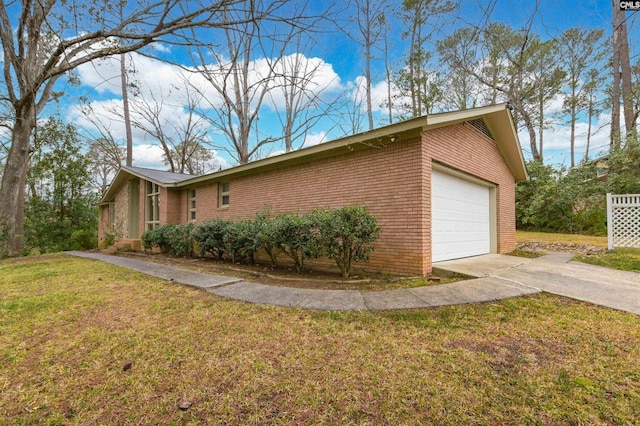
(344, 235)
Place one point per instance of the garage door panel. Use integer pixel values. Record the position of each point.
(461, 218)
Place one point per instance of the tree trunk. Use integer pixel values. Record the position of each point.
(388, 74)
(625, 76)
(368, 72)
(615, 92)
(573, 132)
(590, 117)
(541, 124)
(532, 136)
(14, 181)
(125, 104)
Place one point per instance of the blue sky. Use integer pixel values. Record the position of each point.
(342, 70)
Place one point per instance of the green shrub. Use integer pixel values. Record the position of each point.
(146, 240)
(238, 241)
(561, 200)
(264, 236)
(157, 237)
(83, 239)
(180, 240)
(209, 236)
(298, 237)
(346, 235)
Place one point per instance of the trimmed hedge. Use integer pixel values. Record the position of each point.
(344, 235)
(173, 239)
(209, 236)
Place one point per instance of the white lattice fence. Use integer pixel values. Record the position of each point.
(623, 220)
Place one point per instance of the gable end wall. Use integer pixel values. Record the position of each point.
(464, 148)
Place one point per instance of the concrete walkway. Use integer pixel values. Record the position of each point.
(501, 277)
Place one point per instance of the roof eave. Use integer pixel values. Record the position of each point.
(503, 127)
(124, 174)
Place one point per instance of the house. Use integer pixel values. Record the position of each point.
(441, 186)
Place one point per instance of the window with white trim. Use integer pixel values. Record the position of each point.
(223, 191)
(192, 205)
(152, 210)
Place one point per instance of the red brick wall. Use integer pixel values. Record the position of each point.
(386, 180)
(171, 206)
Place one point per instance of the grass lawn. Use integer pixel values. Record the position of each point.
(626, 259)
(84, 342)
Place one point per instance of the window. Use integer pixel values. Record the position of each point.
(223, 190)
(152, 206)
(192, 205)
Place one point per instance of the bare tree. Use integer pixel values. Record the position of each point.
(179, 139)
(388, 74)
(298, 86)
(192, 158)
(547, 81)
(45, 40)
(592, 87)
(105, 158)
(241, 88)
(422, 83)
(247, 66)
(462, 90)
(125, 107)
(370, 19)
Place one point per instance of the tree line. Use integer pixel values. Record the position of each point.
(436, 62)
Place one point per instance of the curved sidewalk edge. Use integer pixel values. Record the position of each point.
(462, 292)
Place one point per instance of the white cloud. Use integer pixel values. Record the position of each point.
(149, 156)
(314, 139)
(557, 140)
(378, 94)
(555, 105)
(160, 47)
(315, 77)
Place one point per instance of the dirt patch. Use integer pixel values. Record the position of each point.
(550, 247)
(289, 277)
(507, 353)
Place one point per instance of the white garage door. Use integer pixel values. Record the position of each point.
(460, 218)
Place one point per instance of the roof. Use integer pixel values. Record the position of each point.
(497, 118)
(159, 177)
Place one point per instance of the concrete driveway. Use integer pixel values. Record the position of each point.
(556, 273)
